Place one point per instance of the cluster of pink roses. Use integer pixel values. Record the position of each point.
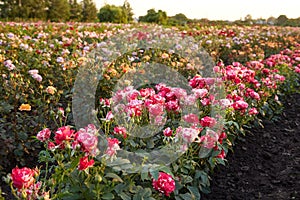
(24, 180)
(85, 139)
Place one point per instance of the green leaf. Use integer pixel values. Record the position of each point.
(74, 163)
(108, 196)
(204, 152)
(187, 179)
(124, 196)
(69, 196)
(195, 192)
(154, 173)
(204, 178)
(143, 193)
(166, 170)
(120, 187)
(145, 176)
(215, 153)
(186, 196)
(44, 156)
(22, 135)
(220, 161)
(114, 176)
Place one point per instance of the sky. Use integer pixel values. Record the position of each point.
(214, 9)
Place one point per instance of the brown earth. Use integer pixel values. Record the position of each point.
(265, 163)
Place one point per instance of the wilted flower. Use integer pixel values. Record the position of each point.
(60, 59)
(33, 71)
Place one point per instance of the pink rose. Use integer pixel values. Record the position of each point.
(120, 131)
(222, 137)
(44, 135)
(200, 93)
(113, 146)
(209, 139)
(156, 109)
(191, 118)
(109, 116)
(253, 111)
(87, 138)
(240, 105)
(172, 105)
(221, 155)
(147, 92)
(179, 92)
(164, 184)
(208, 121)
(51, 145)
(254, 95)
(23, 178)
(189, 135)
(197, 82)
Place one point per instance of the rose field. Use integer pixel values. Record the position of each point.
(140, 111)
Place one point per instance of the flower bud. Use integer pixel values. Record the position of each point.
(98, 178)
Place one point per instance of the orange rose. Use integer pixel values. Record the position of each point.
(25, 107)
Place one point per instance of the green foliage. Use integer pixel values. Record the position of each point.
(75, 10)
(179, 19)
(59, 10)
(152, 16)
(89, 11)
(116, 14)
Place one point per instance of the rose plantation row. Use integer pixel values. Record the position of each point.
(39, 63)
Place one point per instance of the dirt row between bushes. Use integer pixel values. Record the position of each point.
(265, 163)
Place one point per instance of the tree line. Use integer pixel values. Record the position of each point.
(53, 10)
(86, 11)
(81, 11)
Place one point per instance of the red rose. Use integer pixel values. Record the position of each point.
(23, 178)
(164, 184)
(85, 163)
(168, 132)
(63, 134)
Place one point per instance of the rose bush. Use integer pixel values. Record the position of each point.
(39, 65)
